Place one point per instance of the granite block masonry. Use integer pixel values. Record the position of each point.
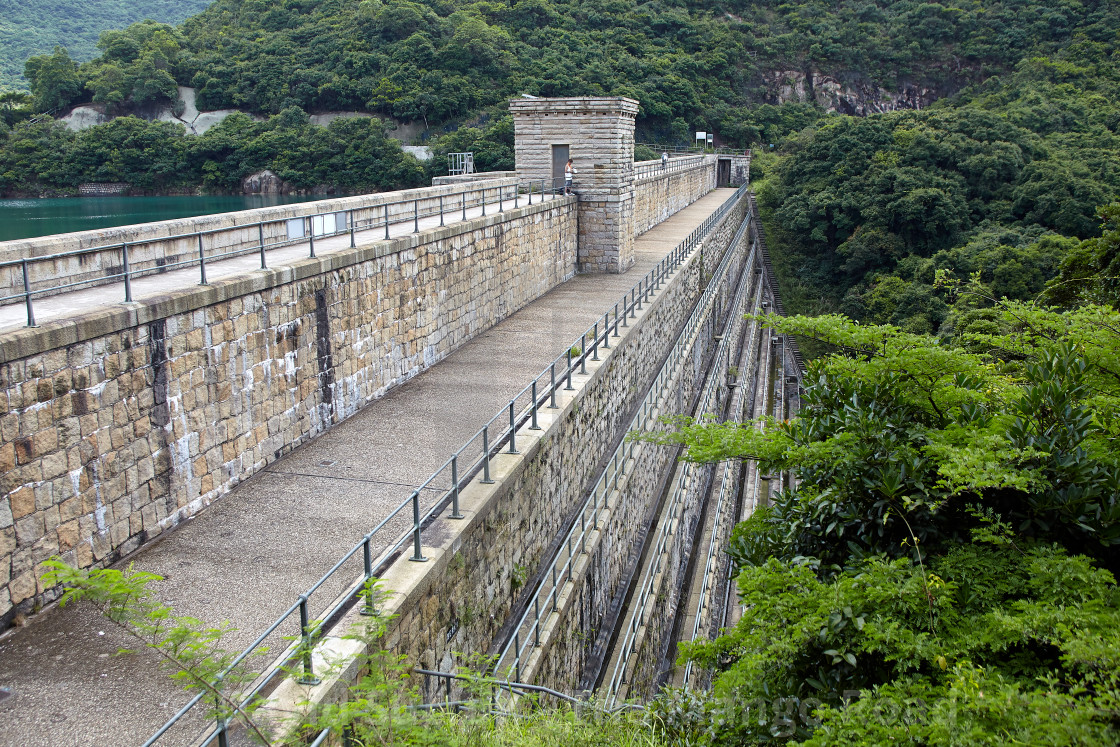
(149, 412)
(597, 133)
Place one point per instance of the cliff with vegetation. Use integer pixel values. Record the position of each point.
(751, 72)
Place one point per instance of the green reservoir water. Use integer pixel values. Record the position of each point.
(22, 219)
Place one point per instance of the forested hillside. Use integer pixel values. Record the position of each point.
(32, 27)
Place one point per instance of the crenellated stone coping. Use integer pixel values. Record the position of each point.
(151, 248)
(459, 599)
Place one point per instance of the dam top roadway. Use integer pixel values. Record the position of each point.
(251, 553)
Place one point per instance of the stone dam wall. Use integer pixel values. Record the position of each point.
(118, 424)
(458, 601)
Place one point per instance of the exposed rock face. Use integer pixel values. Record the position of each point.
(84, 117)
(263, 183)
(846, 95)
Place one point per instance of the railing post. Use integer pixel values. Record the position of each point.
(530, 191)
(201, 261)
(552, 387)
(633, 302)
(484, 202)
(464, 206)
(616, 320)
(386, 221)
(260, 238)
(537, 614)
(517, 657)
(127, 276)
(534, 426)
(486, 456)
(641, 293)
(307, 676)
(369, 608)
(350, 220)
(455, 512)
(595, 342)
(512, 430)
(555, 590)
(501, 208)
(441, 210)
(416, 216)
(311, 233)
(569, 386)
(417, 556)
(220, 721)
(516, 195)
(27, 294)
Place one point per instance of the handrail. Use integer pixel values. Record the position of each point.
(587, 521)
(658, 168)
(459, 470)
(676, 502)
(707, 580)
(380, 216)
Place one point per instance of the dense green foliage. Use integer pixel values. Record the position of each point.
(35, 27)
(1004, 181)
(349, 155)
(699, 65)
(948, 553)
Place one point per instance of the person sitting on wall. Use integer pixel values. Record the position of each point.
(569, 172)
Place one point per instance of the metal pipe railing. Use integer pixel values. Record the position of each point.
(409, 210)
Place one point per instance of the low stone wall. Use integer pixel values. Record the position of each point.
(657, 196)
(121, 423)
(97, 258)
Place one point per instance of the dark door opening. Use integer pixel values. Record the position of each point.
(723, 172)
(559, 160)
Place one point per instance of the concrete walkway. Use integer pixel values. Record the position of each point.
(246, 558)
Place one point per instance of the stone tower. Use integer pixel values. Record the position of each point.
(597, 133)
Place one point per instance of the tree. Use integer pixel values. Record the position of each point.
(54, 80)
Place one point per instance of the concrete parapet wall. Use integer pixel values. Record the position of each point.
(152, 250)
(118, 424)
(657, 196)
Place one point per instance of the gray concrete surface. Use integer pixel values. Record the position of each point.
(248, 556)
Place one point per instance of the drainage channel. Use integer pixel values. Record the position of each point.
(522, 651)
(665, 565)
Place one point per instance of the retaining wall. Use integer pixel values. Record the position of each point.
(118, 424)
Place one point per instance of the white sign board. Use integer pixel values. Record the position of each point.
(701, 135)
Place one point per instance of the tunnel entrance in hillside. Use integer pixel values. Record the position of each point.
(723, 172)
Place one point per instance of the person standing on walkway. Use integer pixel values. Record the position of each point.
(664, 160)
(569, 172)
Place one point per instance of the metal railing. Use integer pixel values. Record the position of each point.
(707, 582)
(498, 435)
(673, 165)
(207, 246)
(689, 149)
(526, 634)
(678, 499)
